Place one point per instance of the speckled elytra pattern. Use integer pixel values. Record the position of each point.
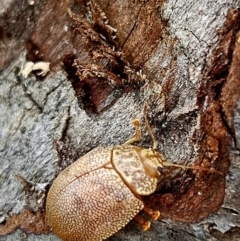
(90, 202)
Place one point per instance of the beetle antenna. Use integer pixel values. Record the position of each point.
(149, 128)
(169, 164)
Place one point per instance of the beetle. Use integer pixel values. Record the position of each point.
(101, 192)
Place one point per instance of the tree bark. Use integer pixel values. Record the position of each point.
(109, 60)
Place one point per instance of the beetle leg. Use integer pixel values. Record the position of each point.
(145, 224)
(153, 213)
(137, 136)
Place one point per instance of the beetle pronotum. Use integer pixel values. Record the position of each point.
(101, 192)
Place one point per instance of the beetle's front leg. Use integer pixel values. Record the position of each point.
(145, 224)
(152, 213)
(137, 136)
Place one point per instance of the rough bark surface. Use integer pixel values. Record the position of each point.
(109, 59)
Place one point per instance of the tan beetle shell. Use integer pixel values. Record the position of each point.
(99, 193)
